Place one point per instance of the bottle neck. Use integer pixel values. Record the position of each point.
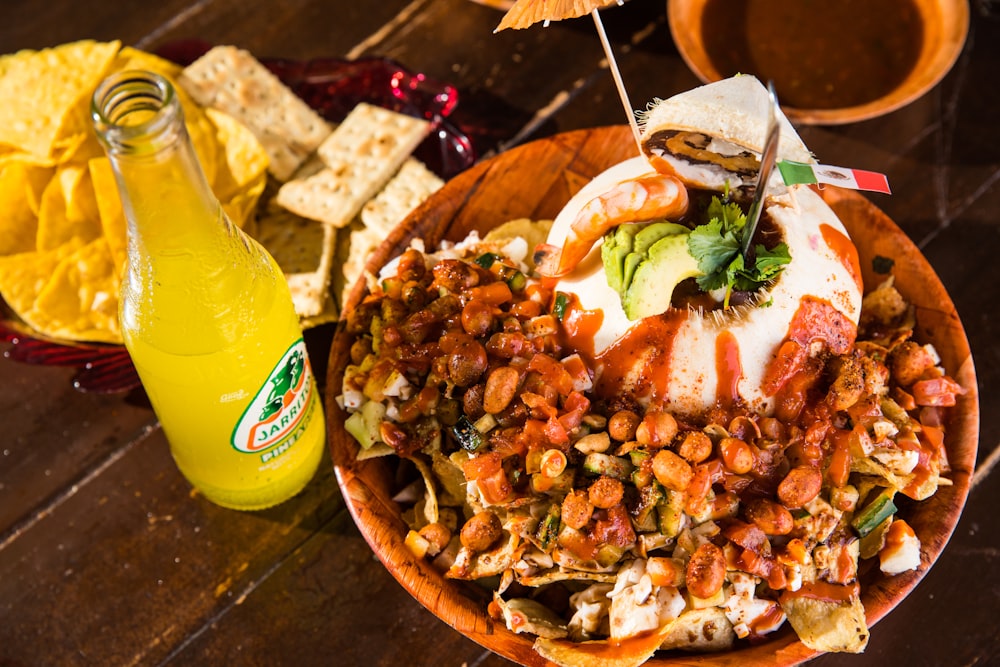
(166, 198)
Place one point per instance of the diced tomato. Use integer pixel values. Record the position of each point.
(579, 544)
(746, 535)
(615, 528)
(482, 466)
(576, 401)
(493, 294)
(533, 434)
(785, 364)
(553, 373)
(839, 467)
(540, 407)
(940, 391)
(576, 405)
(555, 432)
(496, 488)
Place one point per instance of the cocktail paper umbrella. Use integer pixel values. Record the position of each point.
(526, 13)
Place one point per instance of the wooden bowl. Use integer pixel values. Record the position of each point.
(945, 26)
(534, 181)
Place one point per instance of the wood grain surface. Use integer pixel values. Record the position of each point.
(108, 558)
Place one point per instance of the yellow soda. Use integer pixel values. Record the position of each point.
(206, 313)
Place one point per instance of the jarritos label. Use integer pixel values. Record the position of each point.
(280, 411)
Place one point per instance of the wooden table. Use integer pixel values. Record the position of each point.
(108, 558)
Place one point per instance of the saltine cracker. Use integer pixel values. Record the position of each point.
(361, 155)
(233, 81)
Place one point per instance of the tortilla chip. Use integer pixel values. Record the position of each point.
(23, 276)
(21, 186)
(826, 625)
(68, 209)
(630, 652)
(40, 88)
(80, 300)
(532, 232)
(700, 630)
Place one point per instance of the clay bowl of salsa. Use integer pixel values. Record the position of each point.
(535, 181)
(831, 62)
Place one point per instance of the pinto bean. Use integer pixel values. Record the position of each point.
(622, 425)
(481, 531)
(671, 470)
(695, 447)
(769, 516)
(472, 401)
(501, 387)
(508, 345)
(411, 265)
(455, 275)
(799, 486)
(467, 363)
(706, 571)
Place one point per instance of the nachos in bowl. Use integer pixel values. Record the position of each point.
(612, 514)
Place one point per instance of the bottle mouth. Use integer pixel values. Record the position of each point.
(133, 105)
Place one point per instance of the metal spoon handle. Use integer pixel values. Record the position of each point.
(767, 160)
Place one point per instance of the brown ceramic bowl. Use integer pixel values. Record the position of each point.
(945, 26)
(544, 174)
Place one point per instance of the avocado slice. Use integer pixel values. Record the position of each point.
(650, 234)
(652, 284)
(615, 248)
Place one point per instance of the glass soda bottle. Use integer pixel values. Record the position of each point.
(206, 313)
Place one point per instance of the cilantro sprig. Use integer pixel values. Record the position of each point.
(716, 247)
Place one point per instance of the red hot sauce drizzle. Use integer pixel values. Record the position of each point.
(816, 320)
(844, 249)
(580, 326)
(728, 368)
(640, 360)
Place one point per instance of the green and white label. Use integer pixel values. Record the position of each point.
(281, 408)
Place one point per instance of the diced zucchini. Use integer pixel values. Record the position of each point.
(517, 281)
(548, 527)
(609, 554)
(644, 515)
(874, 513)
(486, 260)
(597, 463)
(670, 513)
(560, 305)
(468, 436)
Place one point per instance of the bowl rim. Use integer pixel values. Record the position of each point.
(932, 65)
(584, 153)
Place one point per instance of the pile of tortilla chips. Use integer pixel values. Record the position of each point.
(62, 230)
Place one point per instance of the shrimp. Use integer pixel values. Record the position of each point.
(641, 199)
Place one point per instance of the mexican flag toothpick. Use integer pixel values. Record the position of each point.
(794, 173)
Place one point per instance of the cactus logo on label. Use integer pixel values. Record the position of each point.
(281, 406)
